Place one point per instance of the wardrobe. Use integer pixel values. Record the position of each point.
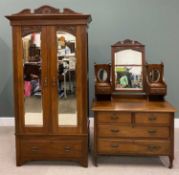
(50, 69)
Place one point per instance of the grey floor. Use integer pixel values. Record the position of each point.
(107, 165)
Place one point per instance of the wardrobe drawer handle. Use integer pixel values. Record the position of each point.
(34, 149)
(114, 130)
(114, 145)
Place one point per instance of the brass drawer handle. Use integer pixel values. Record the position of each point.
(67, 148)
(114, 130)
(152, 131)
(34, 149)
(114, 117)
(114, 145)
(153, 147)
(152, 118)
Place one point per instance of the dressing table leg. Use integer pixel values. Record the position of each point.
(84, 163)
(95, 160)
(170, 162)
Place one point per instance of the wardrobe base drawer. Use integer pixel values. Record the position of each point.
(137, 147)
(43, 148)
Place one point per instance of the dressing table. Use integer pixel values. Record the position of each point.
(131, 116)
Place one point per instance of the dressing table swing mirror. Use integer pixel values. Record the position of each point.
(131, 116)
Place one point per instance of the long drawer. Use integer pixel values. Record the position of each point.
(119, 117)
(129, 131)
(143, 147)
(51, 148)
(152, 118)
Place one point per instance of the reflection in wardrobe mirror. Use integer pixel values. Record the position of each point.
(33, 111)
(127, 66)
(66, 70)
(102, 75)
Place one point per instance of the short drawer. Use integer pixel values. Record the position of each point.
(51, 148)
(138, 147)
(148, 118)
(129, 131)
(122, 117)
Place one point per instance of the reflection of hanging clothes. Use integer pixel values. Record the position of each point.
(60, 79)
(36, 90)
(124, 81)
(27, 88)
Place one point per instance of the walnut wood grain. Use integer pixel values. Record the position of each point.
(51, 142)
(132, 126)
(130, 147)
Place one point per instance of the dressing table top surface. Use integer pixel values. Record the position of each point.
(133, 105)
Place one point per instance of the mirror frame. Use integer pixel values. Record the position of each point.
(157, 67)
(102, 79)
(125, 45)
(154, 72)
(105, 67)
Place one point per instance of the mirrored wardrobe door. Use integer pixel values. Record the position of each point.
(66, 81)
(35, 79)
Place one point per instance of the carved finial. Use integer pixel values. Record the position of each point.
(46, 10)
(127, 42)
(130, 42)
(24, 12)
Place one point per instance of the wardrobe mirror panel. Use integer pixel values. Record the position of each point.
(66, 68)
(32, 66)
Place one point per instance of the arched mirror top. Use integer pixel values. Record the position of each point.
(27, 30)
(127, 66)
(67, 36)
(66, 43)
(128, 57)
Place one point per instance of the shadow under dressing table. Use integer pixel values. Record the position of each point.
(131, 116)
